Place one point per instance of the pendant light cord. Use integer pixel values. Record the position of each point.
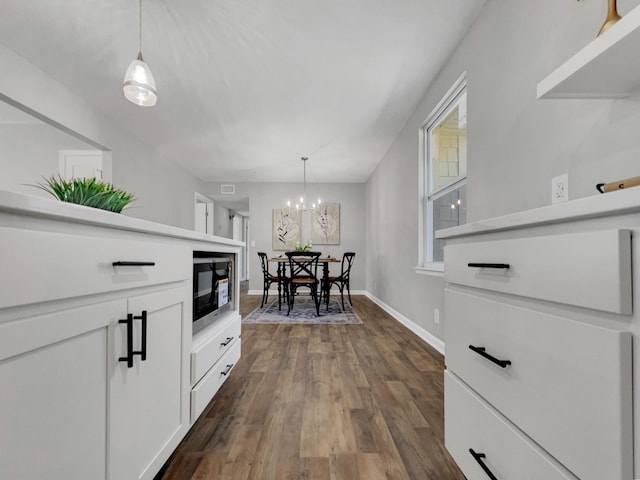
(140, 25)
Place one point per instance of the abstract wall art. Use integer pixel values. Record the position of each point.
(286, 229)
(325, 228)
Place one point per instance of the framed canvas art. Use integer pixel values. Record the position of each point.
(286, 229)
(325, 228)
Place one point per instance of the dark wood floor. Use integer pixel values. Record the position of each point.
(334, 402)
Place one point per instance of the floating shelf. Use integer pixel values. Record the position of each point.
(608, 67)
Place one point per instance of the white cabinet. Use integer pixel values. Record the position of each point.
(146, 420)
(539, 356)
(54, 395)
(77, 287)
(76, 306)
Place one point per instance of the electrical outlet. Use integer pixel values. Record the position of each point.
(560, 188)
(436, 316)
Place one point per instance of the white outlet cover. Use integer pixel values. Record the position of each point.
(560, 188)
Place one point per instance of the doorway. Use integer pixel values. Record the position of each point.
(203, 219)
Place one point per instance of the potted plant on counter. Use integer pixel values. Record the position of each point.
(89, 192)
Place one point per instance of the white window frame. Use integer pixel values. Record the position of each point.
(449, 101)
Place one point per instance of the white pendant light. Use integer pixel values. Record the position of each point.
(139, 86)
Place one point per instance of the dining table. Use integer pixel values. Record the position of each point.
(283, 260)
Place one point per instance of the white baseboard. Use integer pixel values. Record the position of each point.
(432, 340)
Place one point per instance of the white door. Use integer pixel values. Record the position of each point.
(237, 235)
(203, 214)
(81, 164)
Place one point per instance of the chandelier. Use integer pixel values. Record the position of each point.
(302, 206)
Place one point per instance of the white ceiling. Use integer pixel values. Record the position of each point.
(247, 87)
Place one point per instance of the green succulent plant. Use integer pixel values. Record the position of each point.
(87, 191)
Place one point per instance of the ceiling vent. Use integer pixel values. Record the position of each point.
(227, 189)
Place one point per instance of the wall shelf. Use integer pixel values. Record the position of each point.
(608, 67)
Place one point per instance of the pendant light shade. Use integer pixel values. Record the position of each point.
(139, 86)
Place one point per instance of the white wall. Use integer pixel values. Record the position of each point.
(164, 192)
(264, 197)
(25, 161)
(516, 142)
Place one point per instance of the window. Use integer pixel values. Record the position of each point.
(443, 178)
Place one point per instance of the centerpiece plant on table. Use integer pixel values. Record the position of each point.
(303, 248)
(89, 192)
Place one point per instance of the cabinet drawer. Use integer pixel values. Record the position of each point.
(49, 266)
(591, 270)
(209, 351)
(472, 424)
(204, 391)
(569, 384)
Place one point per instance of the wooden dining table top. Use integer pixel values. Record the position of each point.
(284, 259)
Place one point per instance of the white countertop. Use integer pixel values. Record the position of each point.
(601, 205)
(38, 207)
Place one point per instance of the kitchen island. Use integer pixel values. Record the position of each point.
(101, 376)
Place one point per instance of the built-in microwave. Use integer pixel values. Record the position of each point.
(212, 287)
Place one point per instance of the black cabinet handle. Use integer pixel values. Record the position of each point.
(227, 370)
(129, 357)
(143, 343)
(134, 264)
(482, 352)
(143, 347)
(488, 265)
(478, 458)
(226, 342)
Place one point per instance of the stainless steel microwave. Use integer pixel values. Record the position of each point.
(212, 287)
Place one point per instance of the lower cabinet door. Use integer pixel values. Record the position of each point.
(486, 446)
(53, 394)
(146, 414)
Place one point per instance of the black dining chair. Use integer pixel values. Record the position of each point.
(303, 268)
(280, 278)
(341, 281)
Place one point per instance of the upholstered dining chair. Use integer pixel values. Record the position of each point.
(341, 281)
(303, 268)
(280, 278)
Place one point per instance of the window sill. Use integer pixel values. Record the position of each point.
(431, 271)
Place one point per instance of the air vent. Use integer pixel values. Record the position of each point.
(227, 189)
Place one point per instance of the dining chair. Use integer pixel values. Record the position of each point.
(303, 268)
(341, 281)
(280, 278)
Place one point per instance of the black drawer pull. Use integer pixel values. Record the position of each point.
(488, 265)
(226, 342)
(134, 264)
(228, 369)
(478, 458)
(482, 352)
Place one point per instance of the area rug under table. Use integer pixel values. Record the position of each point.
(304, 311)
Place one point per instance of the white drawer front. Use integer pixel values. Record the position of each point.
(569, 385)
(591, 270)
(471, 424)
(210, 350)
(204, 391)
(48, 266)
